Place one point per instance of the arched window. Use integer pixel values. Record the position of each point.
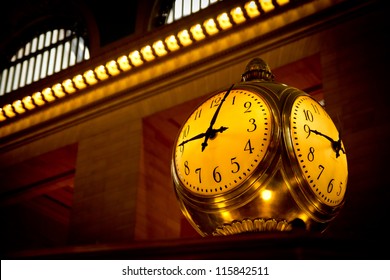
(44, 55)
(183, 8)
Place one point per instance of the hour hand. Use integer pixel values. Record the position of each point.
(211, 134)
(323, 135)
(201, 135)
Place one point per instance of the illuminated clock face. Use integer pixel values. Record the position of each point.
(223, 142)
(319, 151)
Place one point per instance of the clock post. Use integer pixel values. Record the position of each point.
(259, 156)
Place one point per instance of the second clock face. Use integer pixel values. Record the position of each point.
(214, 160)
(319, 151)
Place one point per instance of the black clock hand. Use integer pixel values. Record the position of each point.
(201, 135)
(210, 132)
(336, 145)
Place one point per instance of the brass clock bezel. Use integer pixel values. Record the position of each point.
(300, 188)
(248, 186)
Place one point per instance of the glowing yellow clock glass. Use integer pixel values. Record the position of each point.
(222, 142)
(319, 150)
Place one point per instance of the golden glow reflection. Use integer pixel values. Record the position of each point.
(266, 195)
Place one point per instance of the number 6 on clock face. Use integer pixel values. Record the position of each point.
(223, 142)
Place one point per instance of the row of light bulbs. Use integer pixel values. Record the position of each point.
(136, 58)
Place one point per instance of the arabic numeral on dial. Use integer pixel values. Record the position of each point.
(254, 126)
(186, 168)
(306, 128)
(199, 174)
(181, 149)
(330, 186)
(315, 108)
(237, 165)
(340, 189)
(198, 113)
(248, 147)
(186, 131)
(308, 115)
(322, 168)
(310, 155)
(247, 106)
(216, 175)
(215, 102)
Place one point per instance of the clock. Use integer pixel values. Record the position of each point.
(316, 154)
(223, 142)
(259, 156)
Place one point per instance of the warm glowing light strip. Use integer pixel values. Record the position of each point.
(135, 58)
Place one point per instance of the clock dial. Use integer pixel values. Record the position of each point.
(222, 142)
(319, 150)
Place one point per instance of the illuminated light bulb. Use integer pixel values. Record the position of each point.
(159, 48)
(251, 9)
(8, 110)
(238, 15)
(282, 2)
(79, 82)
(210, 26)
(147, 53)
(123, 63)
(68, 86)
(197, 32)
(184, 37)
(48, 95)
(2, 115)
(224, 21)
(38, 98)
(18, 107)
(112, 68)
(28, 102)
(90, 77)
(266, 195)
(135, 58)
(101, 73)
(58, 91)
(172, 43)
(266, 5)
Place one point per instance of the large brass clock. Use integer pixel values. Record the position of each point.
(223, 142)
(259, 156)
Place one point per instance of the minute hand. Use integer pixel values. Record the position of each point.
(336, 145)
(210, 132)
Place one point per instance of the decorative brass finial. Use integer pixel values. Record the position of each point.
(257, 69)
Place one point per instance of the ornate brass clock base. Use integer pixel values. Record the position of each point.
(253, 225)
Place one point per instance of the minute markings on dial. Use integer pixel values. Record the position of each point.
(259, 121)
(307, 166)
